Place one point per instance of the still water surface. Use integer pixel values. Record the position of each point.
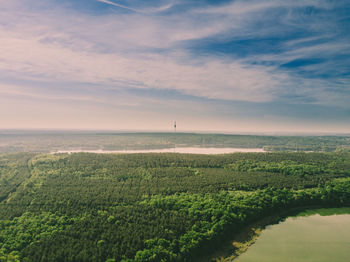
(319, 235)
(184, 150)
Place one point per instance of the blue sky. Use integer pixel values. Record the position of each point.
(220, 66)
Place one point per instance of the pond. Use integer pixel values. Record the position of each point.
(319, 235)
(184, 150)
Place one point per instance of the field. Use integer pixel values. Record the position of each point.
(152, 207)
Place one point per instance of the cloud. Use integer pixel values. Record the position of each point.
(241, 7)
(119, 5)
(142, 11)
(79, 57)
(210, 79)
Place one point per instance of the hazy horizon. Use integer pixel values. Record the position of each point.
(140, 131)
(236, 66)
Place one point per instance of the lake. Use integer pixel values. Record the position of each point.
(183, 150)
(319, 235)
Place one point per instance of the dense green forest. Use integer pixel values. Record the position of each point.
(152, 207)
(52, 141)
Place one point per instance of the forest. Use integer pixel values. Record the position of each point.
(152, 207)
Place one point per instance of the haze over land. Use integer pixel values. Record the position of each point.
(220, 66)
(108, 142)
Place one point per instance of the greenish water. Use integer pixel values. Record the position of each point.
(318, 235)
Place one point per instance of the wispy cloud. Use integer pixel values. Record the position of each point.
(119, 5)
(142, 11)
(241, 7)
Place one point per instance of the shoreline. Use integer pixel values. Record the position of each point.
(233, 247)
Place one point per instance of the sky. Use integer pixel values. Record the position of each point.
(212, 66)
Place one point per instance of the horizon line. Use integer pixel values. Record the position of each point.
(125, 131)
